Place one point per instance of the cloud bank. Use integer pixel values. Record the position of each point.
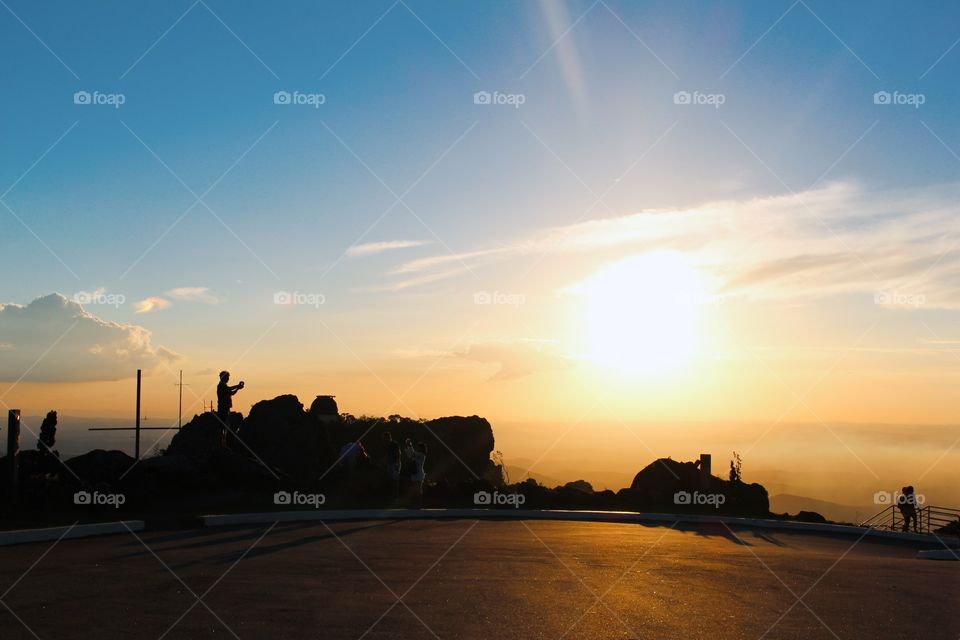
(54, 339)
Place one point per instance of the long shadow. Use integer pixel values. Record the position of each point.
(712, 530)
(247, 532)
(263, 550)
(769, 538)
(703, 529)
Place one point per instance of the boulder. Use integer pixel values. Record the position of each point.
(459, 447)
(99, 466)
(236, 471)
(200, 438)
(656, 486)
(809, 516)
(282, 435)
(166, 474)
(324, 408)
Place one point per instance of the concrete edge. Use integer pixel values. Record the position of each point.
(939, 554)
(340, 515)
(23, 536)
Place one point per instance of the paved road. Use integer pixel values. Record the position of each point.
(464, 579)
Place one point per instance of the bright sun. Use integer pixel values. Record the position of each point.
(641, 314)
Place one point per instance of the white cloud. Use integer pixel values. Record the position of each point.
(518, 358)
(837, 239)
(371, 248)
(54, 339)
(153, 303)
(193, 294)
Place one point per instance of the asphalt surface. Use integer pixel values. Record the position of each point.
(468, 579)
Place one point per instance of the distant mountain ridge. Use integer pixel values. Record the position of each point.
(789, 503)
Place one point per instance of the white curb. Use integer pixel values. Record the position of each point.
(23, 536)
(551, 514)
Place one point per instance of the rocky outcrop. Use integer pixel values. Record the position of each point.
(459, 447)
(201, 438)
(283, 435)
(99, 466)
(672, 486)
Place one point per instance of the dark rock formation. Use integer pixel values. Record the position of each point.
(324, 408)
(668, 485)
(459, 447)
(579, 485)
(305, 444)
(281, 434)
(167, 474)
(98, 466)
(809, 516)
(200, 438)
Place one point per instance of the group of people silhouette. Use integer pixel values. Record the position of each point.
(403, 465)
(404, 470)
(410, 459)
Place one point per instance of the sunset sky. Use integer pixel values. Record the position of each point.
(554, 212)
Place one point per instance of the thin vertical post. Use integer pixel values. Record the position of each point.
(137, 447)
(180, 404)
(13, 450)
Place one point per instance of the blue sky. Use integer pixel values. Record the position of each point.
(399, 98)
(294, 187)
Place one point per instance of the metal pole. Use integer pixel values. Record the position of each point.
(137, 449)
(13, 450)
(180, 405)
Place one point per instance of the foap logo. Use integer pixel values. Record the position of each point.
(899, 299)
(497, 499)
(715, 100)
(298, 299)
(299, 98)
(915, 100)
(99, 297)
(115, 100)
(514, 100)
(696, 498)
(297, 499)
(898, 498)
(498, 297)
(97, 499)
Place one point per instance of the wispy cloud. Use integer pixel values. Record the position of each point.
(193, 294)
(839, 238)
(371, 248)
(151, 304)
(518, 358)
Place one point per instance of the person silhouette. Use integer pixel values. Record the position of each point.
(225, 395)
(393, 463)
(418, 455)
(907, 502)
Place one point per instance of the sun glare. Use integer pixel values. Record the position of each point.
(641, 314)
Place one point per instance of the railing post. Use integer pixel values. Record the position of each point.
(13, 451)
(137, 445)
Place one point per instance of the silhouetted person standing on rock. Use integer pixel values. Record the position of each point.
(393, 463)
(225, 395)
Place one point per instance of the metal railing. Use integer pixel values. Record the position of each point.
(930, 519)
